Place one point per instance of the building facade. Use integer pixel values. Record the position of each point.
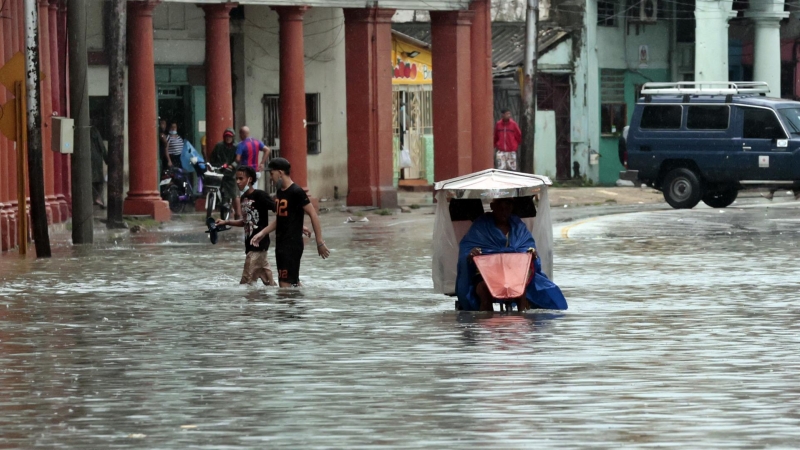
(312, 78)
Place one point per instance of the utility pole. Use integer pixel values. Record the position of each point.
(35, 164)
(116, 93)
(529, 88)
(82, 209)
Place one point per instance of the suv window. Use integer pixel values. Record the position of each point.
(708, 117)
(761, 124)
(661, 117)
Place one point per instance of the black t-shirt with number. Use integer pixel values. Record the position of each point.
(255, 208)
(289, 216)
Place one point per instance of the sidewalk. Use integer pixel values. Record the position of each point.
(572, 197)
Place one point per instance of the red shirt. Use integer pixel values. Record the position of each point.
(507, 135)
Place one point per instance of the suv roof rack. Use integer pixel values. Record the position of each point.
(706, 88)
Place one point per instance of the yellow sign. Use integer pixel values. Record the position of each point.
(8, 120)
(411, 61)
(13, 71)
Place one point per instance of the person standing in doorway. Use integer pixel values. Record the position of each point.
(173, 146)
(99, 158)
(292, 204)
(248, 149)
(507, 137)
(163, 134)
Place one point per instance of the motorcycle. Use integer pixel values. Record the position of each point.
(176, 186)
(213, 182)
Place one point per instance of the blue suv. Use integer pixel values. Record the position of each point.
(707, 140)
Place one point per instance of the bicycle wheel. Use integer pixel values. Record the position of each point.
(211, 201)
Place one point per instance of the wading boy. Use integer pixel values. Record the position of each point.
(292, 205)
(255, 205)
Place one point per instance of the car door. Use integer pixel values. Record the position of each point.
(708, 137)
(760, 146)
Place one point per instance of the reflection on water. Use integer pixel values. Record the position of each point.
(149, 342)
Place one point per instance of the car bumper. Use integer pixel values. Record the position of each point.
(629, 175)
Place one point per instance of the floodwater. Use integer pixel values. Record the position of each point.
(682, 332)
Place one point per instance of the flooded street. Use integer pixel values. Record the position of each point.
(682, 332)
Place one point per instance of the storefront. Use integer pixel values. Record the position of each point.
(412, 81)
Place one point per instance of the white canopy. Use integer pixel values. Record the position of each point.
(492, 179)
(490, 183)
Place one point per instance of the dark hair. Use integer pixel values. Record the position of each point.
(503, 111)
(280, 164)
(248, 172)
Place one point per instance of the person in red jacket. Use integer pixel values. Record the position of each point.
(507, 137)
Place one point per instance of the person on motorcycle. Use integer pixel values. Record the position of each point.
(224, 155)
(501, 231)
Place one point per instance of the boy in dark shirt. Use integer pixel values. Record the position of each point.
(291, 204)
(256, 204)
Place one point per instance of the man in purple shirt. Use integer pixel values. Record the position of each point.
(247, 151)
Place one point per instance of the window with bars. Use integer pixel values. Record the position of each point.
(613, 109)
(271, 103)
(313, 124)
(606, 16)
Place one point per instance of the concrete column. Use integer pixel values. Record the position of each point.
(711, 39)
(767, 16)
(482, 87)
(368, 38)
(143, 198)
(55, 89)
(66, 167)
(219, 90)
(294, 142)
(53, 211)
(452, 101)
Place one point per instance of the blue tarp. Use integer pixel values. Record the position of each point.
(541, 292)
(186, 155)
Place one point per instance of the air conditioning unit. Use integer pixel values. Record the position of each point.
(648, 11)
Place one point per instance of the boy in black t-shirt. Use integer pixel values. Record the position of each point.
(255, 205)
(291, 204)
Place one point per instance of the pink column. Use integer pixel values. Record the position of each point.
(452, 102)
(368, 39)
(12, 46)
(142, 199)
(55, 90)
(294, 142)
(219, 87)
(482, 87)
(5, 146)
(53, 212)
(66, 166)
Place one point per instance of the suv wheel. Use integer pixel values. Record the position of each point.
(682, 188)
(720, 199)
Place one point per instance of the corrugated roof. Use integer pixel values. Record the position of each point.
(508, 41)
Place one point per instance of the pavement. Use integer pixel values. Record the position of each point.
(567, 204)
(570, 196)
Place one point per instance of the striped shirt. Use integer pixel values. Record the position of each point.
(175, 145)
(248, 149)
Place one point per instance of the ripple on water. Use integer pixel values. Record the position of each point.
(671, 340)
